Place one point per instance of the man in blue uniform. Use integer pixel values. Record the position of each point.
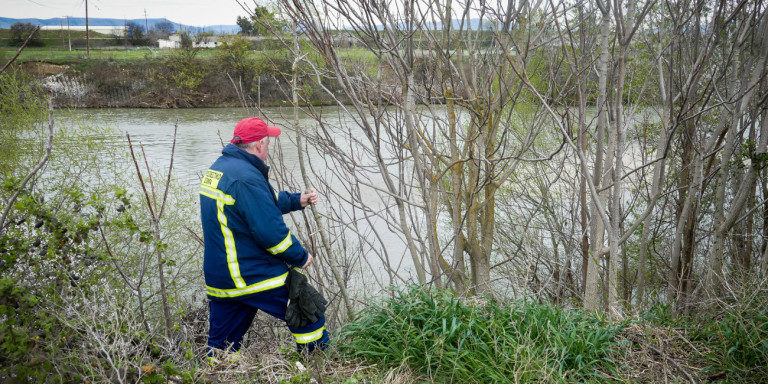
(248, 248)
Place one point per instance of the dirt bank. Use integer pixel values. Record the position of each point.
(175, 82)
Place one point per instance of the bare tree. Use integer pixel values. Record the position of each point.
(521, 142)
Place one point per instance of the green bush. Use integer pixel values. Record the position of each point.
(449, 340)
(184, 71)
(75, 250)
(23, 111)
(21, 31)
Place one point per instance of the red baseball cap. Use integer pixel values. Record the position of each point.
(252, 129)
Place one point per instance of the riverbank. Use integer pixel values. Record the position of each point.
(173, 79)
(157, 84)
(434, 337)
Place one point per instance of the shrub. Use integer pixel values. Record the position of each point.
(134, 34)
(78, 295)
(179, 76)
(20, 31)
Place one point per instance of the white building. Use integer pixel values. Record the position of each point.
(168, 44)
(174, 42)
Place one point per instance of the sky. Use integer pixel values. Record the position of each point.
(190, 12)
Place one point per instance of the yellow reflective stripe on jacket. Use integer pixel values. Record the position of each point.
(282, 246)
(229, 241)
(217, 195)
(253, 288)
(304, 338)
(229, 245)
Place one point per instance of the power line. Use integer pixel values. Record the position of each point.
(42, 5)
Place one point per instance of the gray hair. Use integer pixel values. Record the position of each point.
(246, 146)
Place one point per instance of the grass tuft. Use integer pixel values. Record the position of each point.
(445, 339)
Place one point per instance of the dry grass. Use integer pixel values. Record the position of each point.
(269, 355)
(652, 354)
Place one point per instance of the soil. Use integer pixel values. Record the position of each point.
(43, 69)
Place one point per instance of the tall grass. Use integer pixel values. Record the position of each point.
(446, 339)
(729, 338)
(734, 339)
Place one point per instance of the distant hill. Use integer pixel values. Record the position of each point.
(6, 23)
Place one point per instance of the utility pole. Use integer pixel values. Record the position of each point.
(146, 24)
(87, 38)
(69, 36)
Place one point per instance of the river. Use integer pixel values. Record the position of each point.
(200, 134)
(198, 141)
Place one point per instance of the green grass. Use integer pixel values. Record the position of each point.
(56, 39)
(443, 339)
(359, 55)
(730, 339)
(58, 34)
(59, 56)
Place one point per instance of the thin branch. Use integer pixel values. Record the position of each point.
(170, 168)
(34, 170)
(141, 179)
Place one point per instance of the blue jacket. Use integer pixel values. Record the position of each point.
(247, 246)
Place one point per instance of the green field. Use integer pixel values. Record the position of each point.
(55, 50)
(51, 39)
(59, 56)
(58, 34)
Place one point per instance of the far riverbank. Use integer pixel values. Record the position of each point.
(177, 82)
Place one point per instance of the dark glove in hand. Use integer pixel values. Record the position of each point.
(305, 304)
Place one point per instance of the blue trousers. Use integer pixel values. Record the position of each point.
(229, 320)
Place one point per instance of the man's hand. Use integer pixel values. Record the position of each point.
(310, 259)
(309, 198)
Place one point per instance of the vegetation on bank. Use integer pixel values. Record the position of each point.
(97, 279)
(437, 337)
(447, 339)
(175, 78)
(81, 301)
